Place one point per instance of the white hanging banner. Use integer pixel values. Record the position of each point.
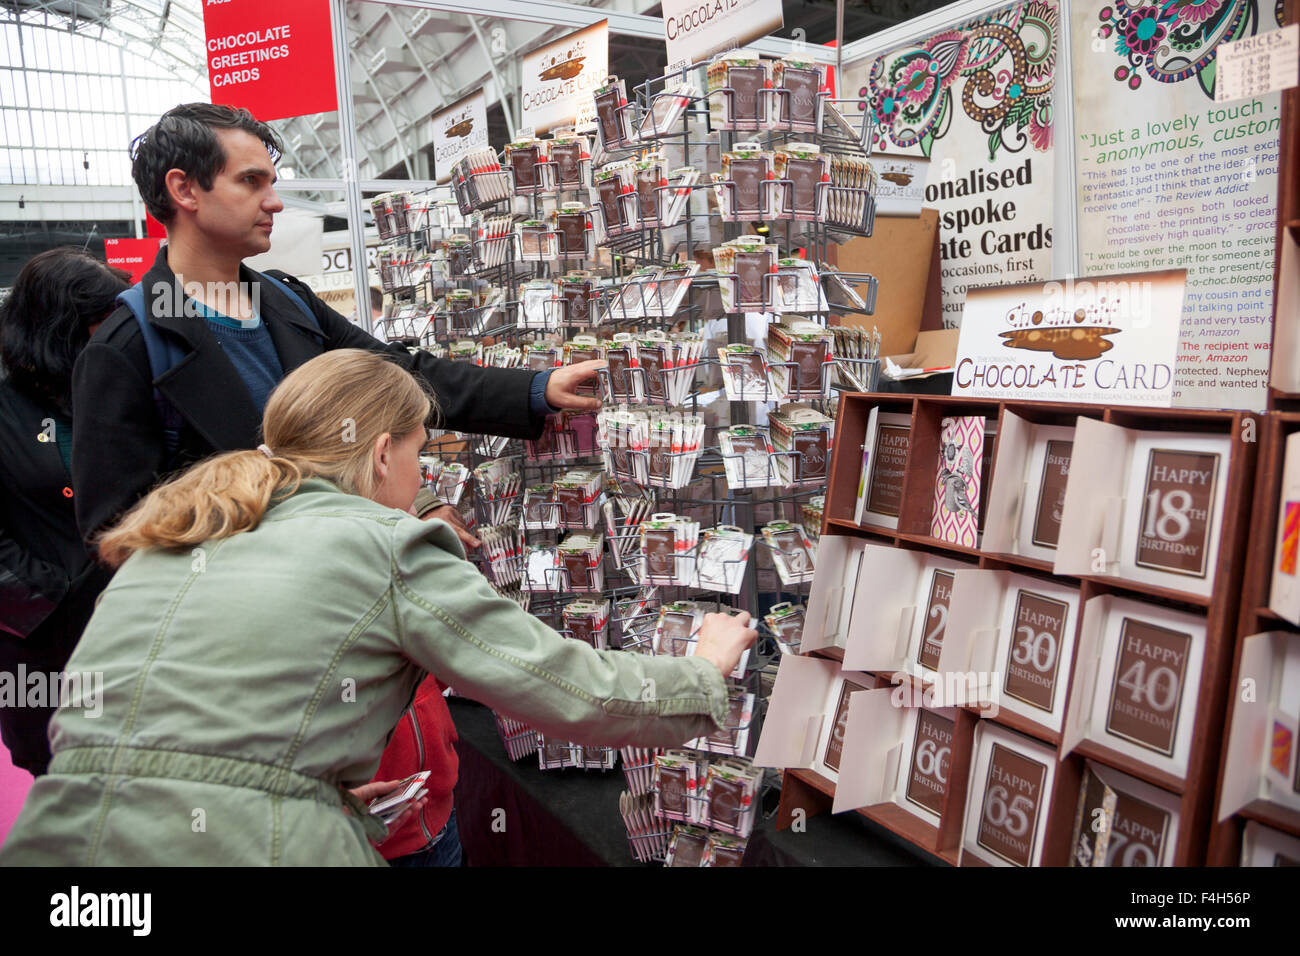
(977, 99)
(1169, 178)
(1253, 66)
(458, 129)
(694, 29)
(558, 79)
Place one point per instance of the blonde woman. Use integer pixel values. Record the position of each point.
(273, 614)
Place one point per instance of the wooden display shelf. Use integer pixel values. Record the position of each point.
(1256, 617)
(1195, 790)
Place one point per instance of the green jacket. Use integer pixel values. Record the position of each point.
(249, 680)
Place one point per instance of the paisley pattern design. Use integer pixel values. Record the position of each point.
(1168, 41)
(999, 67)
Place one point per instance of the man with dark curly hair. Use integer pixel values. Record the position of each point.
(207, 173)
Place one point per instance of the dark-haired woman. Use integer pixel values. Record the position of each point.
(48, 583)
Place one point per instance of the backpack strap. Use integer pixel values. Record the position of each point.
(164, 354)
(295, 298)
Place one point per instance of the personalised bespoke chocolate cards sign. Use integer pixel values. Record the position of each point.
(1103, 340)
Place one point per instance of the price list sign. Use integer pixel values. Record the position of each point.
(1253, 66)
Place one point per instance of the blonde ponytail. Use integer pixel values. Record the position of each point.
(323, 420)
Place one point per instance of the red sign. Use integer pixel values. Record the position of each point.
(133, 255)
(153, 228)
(273, 59)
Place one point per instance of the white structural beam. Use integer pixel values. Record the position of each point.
(68, 203)
(556, 13)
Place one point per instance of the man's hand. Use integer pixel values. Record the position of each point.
(562, 386)
(376, 788)
(450, 515)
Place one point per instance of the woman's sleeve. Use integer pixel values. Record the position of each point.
(488, 648)
(30, 589)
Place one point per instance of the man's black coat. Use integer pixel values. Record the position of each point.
(118, 450)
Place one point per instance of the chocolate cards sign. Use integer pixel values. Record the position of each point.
(458, 129)
(694, 29)
(558, 79)
(1105, 340)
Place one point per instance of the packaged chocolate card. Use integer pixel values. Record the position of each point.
(796, 96)
(733, 736)
(746, 457)
(522, 157)
(553, 754)
(580, 556)
(608, 190)
(613, 119)
(801, 170)
(786, 621)
(745, 373)
(570, 154)
(730, 795)
(722, 850)
(735, 81)
(665, 111)
(723, 558)
(687, 847)
(802, 430)
(749, 171)
(674, 784)
(791, 551)
(571, 231)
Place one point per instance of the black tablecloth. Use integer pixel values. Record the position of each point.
(515, 814)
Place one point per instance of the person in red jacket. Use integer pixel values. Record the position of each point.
(425, 739)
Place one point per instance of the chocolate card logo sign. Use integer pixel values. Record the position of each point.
(1013, 792)
(886, 493)
(1177, 510)
(1051, 494)
(1147, 690)
(927, 781)
(1035, 654)
(695, 29)
(559, 78)
(1110, 340)
(936, 618)
(457, 130)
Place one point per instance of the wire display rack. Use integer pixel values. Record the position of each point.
(431, 264)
